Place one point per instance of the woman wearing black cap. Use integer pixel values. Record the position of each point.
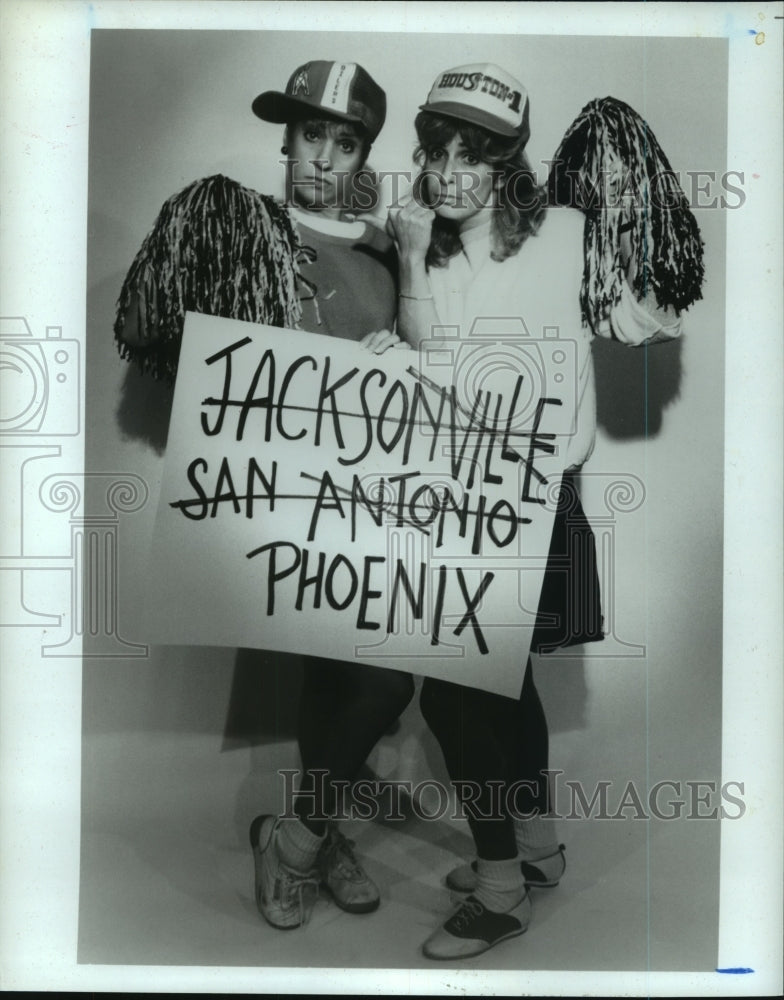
(222, 249)
(466, 253)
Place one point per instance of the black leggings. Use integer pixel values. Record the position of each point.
(344, 710)
(490, 742)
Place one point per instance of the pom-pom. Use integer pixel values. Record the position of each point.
(217, 248)
(610, 140)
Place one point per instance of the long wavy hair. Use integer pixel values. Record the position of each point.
(520, 202)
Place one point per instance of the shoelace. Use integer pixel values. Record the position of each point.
(341, 851)
(292, 890)
(471, 909)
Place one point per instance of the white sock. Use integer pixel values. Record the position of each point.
(535, 837)
(500, 885)
(297, 845)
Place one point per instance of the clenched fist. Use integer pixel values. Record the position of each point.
(410, 226)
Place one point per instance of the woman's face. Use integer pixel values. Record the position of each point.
(459, 186)
(323, 157)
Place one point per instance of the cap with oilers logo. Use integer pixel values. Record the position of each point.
(340, 90)
(482, 94)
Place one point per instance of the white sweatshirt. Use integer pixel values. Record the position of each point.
(539, 285)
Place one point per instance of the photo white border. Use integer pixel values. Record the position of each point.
(45, 48)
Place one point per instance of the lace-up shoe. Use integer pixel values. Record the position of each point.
(348, 882)
(545, 873)
(284, 896)
(473, 929)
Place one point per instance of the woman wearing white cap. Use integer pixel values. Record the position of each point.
(225, 250)
(489, 247)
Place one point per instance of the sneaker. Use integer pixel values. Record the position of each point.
(352, 889)
(545, 873)
(474, 929)
(284, 896)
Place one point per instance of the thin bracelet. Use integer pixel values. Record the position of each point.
(415, 298)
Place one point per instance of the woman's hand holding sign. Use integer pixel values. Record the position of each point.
(379, 341)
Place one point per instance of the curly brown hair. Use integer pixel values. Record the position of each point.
(521, 202)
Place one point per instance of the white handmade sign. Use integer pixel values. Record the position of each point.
(393, 510)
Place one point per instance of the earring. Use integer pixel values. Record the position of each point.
(284, 150)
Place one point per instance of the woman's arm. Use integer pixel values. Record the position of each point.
(641, 321)
(636, 321)
(411, 228)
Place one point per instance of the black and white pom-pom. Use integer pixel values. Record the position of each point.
(609, 138)
(217, 248)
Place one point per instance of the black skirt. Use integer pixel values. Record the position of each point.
(570, 606)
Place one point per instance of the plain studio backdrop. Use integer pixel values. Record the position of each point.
(186, 740)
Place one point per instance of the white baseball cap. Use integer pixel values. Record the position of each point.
(482, 94)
